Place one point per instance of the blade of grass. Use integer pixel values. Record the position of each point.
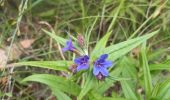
(115, 16)
(146, 72)
(60, 40)
(128, 92)
(164, 90)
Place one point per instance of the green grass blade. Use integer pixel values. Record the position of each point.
(164, 90)
(128, 71)
(127, 90)
(55, 65)
(155, 90)
(115, 16)
(161, 66)
(58, 39)
(146, 72)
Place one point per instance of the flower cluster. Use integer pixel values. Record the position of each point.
(82, 62)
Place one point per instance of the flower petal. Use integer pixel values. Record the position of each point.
(104, 71)
(77, 60)
(68, 42)
(64, 49)
(107, 64)
(103, 56)
(86, 57)
(96, 71)
(69, 46)
(80, 67)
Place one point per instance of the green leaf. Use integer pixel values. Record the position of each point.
(162, 90)
(156, 54)
(59, 94)
(100, 46)
(146, 72)
(118, 50)
(128, 71)
(56, 83)
(56, 65)
(127, 90)
(58, 39)
(161, 66)
(155, 90)
(89, 84)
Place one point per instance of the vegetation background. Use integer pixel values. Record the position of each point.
(135, 33)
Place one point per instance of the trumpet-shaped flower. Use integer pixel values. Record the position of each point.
(82, 62)
(101, 65)
(69, 46)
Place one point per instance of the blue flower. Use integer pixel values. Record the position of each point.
(82, 62)
(69, 46)
(101, 65)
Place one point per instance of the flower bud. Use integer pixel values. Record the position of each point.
(81, 41)
(73, 68)
(100, 77)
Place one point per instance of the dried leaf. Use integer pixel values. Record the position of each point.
(27, 43)
(3, 58)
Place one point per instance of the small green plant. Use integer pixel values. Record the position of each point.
(122, 52)
(87, 69)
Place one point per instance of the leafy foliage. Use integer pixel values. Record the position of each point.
(134, 34)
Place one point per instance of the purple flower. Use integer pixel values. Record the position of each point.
(69, 46)
(101, 65)
(82, 62)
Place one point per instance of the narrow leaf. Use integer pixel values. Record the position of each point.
(146, 72)
(100, 46)
(87, 86)
(128, 92)
(55, 82)
(118, 50)
(56, 65)
(60, 40)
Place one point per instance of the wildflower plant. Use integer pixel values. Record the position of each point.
(100, 65)
(111, 59)
(89, 73)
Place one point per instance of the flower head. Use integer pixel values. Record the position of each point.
(101, 65)
(69, 46)
(82, 62)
